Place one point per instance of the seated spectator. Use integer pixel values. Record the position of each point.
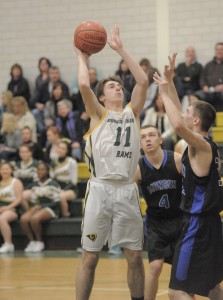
(6, 104)
(10, 200)
(190, 71)
(65, 172)
(35, 147)
(18, 85)
(10, 137)
(52, 148)
(152, 87)
(44, 197)
(45, 91)
(43, 96)
(50, 111)
(23, 116)
(211, 80)
(25, 168)
(69, 125)
(7, 97)
(44, 65)
(156, 116)
(128, 80)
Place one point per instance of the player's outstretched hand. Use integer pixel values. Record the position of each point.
(82, 54)
(169, 69)
(163, 84)
(115, 41)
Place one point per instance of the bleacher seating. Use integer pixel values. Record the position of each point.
(64, 233)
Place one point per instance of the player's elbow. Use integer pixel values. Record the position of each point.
(83, 87)
(144, 81)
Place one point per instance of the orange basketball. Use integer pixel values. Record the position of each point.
(90, 37)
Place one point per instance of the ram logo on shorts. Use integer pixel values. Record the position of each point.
(92, 236)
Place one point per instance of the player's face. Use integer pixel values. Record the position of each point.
(150, 139)
(113, 92)
(189, 117)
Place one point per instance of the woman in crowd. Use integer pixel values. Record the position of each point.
(50, 111)
(53, 139)
(11, 190)
(70, 126)
(65, 172)
(10, 137)
(23, 116)
(26, 167)
(156, 116)
(18, 85)
(45, 200)
(27, 140)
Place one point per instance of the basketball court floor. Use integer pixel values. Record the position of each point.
(51, 276)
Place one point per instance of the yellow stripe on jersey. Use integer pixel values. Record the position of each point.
(85, 201)
(89, 132)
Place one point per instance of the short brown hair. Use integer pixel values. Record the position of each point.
(205, 112)
(99, 90)
(151, 126)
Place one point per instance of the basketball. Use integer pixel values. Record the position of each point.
(90, 37)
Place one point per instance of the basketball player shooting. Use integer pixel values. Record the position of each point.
(112, 151)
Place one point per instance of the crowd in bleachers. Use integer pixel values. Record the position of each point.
(49, 126)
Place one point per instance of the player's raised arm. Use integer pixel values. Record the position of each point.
(139, 91)
(93, 107)
(169, 73)
(192, 138)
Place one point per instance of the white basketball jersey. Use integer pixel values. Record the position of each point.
(113, 148)
(7, 193)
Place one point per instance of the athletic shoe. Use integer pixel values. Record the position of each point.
(30, 247)
(7, 248)
(39, 246)
(115, 251)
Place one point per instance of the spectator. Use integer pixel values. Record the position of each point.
(211, 80)
(156, 116)
(7, 97)
(190, 71)
(152, 87)
(18, 85)
(69, 125)
(10, 137)
(45, 91)
(65, 172)
(53, 139)
(11, 198)
(25, 168)
(50, 111)
(23, 116)
(44, 65)
(6, 103)
(128, 80)
(35, 147)
(44, 197)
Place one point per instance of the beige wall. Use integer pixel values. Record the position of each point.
(30, 29)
